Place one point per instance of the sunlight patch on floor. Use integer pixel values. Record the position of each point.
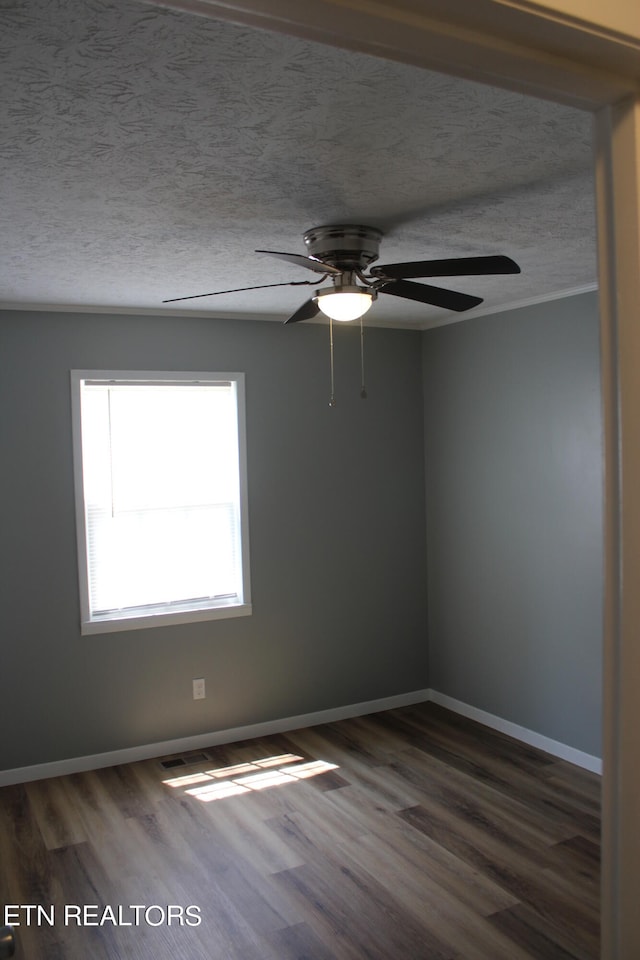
(239, 778)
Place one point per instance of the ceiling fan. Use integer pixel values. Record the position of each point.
(344, 252)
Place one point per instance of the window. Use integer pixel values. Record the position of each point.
(160, 498)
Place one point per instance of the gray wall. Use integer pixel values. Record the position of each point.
(512, 444)
(337, 526)
(514, 516)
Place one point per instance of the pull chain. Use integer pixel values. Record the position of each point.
(363, 392)
(332, 398)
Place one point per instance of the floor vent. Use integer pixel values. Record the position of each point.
(184, 761)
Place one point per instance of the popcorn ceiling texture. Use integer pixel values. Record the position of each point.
(147, 153)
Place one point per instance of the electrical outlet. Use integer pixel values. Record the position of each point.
(198, 689)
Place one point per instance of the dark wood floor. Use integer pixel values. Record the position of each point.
(406, 835)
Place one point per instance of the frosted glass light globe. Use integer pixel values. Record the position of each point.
(349, 303)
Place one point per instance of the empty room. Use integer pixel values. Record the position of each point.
(307, 438)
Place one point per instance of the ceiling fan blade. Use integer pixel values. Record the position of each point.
(260, 286)
(301, 261)
(434, 296)
(455, 267)
(307, 311)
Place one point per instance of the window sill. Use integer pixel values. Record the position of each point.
(162, 619)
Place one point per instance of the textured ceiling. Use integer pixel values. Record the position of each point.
(147, 153)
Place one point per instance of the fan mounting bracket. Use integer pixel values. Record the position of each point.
(346, 246)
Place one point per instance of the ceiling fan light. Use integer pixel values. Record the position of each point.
(348, 303)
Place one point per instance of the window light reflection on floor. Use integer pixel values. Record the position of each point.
(239, 778)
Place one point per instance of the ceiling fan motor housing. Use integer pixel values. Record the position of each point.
(346, 246)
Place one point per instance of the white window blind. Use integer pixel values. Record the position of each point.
(162, 499)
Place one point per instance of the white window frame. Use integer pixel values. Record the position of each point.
(209, 610)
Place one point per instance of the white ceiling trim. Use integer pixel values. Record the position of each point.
(277, 317)
(528, 302)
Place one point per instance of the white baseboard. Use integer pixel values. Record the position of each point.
(59, 768)
(556, 749)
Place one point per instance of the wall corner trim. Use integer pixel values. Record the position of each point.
(530, 737)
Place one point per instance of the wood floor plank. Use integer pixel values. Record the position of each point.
(358, 916)
(429, 866)
(49, 802)
(431, 904)
(493, 760)
(389, 794)
(545, 940)
(233, 877)
(254, 840)
(508, 816)
(578, 859)
(430, 719)
(299, 942)
(552, 896)
(25, 864)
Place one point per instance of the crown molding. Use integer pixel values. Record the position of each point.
(93, 309)
(487, 310)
